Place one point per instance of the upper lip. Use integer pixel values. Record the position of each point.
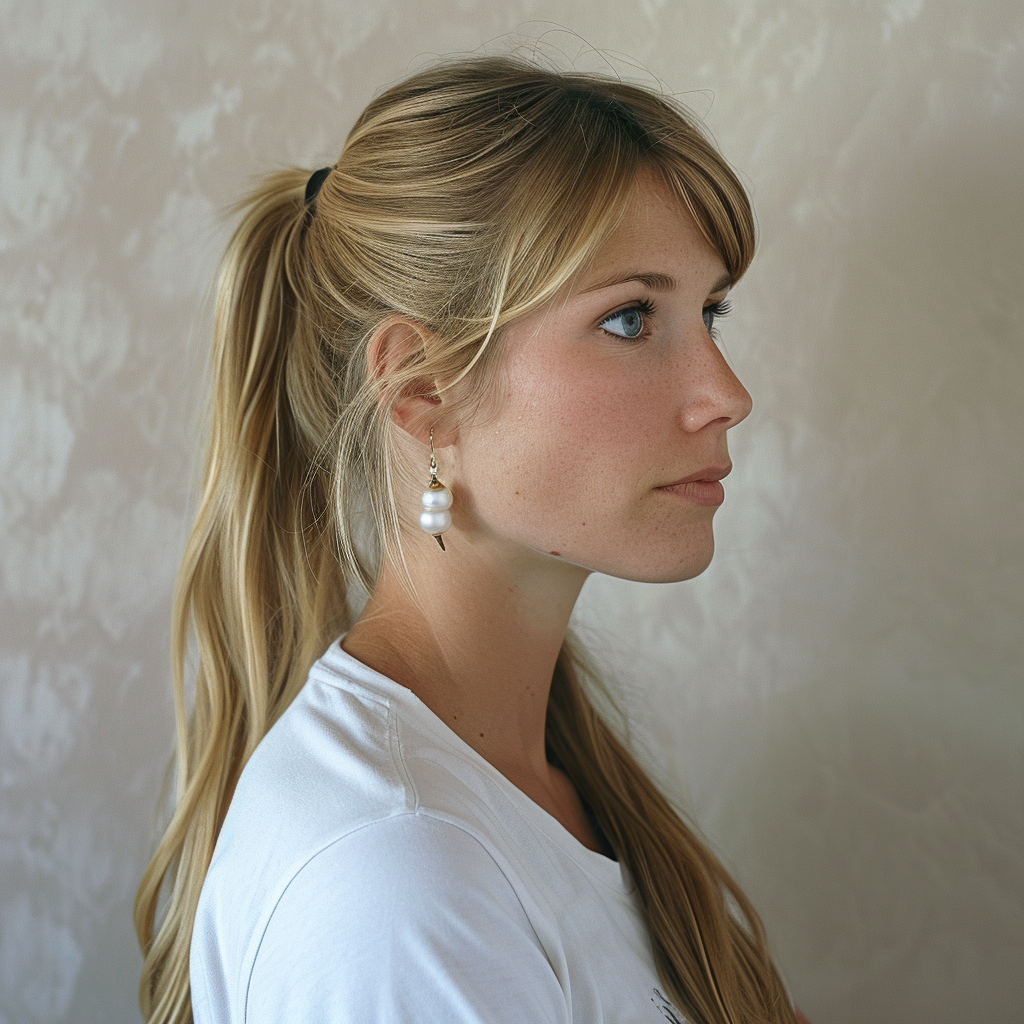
(710, 473)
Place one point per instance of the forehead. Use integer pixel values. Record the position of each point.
(658, 234)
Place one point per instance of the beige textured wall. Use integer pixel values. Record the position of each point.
(838, 698)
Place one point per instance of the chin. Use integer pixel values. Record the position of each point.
(671, 566)
(677, 574)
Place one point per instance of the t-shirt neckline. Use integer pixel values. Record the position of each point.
(603, 869)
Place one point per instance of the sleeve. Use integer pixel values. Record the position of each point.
(409, 919)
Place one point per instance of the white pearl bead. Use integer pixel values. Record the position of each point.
(437, 497)
(435, 521)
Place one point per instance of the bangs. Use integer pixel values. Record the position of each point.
(582, 176)
(720, 209)
(567, 199)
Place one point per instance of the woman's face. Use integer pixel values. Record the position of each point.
(611, 395)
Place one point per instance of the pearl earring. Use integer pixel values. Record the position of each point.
(437, 499)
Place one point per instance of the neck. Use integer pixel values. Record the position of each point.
(476, 641)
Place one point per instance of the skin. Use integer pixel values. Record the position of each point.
(559, 479)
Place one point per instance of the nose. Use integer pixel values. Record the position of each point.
(712, 392)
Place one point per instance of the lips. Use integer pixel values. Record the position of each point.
(711, 473)
(701, 488)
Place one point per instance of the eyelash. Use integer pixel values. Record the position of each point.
(646, 309)
(717, 309)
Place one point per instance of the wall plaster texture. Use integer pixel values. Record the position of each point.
(837, 700)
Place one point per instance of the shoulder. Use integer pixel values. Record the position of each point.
(326, 768)
(354, 847)
(409, 917)
(413, 862)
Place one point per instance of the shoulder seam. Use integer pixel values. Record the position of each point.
(295, 874)
(424, 812)
(337, 839)
(398, 758)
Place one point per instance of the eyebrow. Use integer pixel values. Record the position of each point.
(656, 282)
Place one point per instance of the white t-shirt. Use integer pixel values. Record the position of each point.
(374, 869)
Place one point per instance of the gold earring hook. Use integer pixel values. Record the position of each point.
(435, 484)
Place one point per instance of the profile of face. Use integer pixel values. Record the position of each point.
(607, 438)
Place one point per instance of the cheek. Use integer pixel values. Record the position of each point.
(563, 458)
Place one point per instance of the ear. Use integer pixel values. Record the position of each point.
(394, 350)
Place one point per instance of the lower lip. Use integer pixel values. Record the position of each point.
(698, 492)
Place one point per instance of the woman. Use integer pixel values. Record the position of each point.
(464, 367)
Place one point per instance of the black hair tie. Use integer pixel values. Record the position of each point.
(316, 179)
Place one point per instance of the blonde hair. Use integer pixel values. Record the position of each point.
(463, 198)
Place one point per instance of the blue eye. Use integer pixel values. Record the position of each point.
(716, 309)
(628, 322)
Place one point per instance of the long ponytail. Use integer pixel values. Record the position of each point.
(463, 199)
(259, 586)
